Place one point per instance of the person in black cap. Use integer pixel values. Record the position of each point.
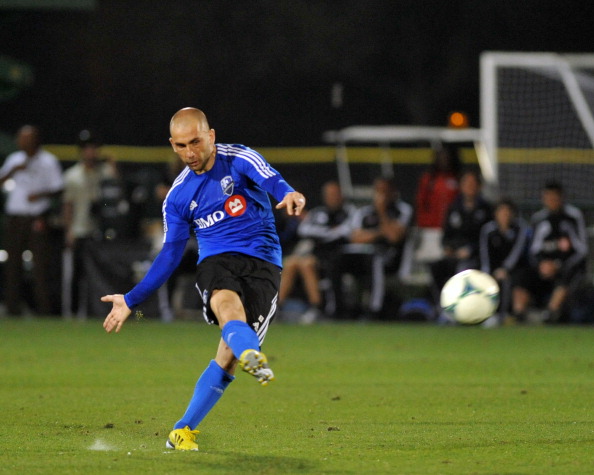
(82, 190)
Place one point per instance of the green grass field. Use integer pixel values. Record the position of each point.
(348, 398)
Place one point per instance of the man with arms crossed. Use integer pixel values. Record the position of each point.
(222, 194)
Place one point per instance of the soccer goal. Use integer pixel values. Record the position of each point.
(537, 122)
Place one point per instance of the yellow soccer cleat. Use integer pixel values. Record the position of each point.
(182, 439)
(255, 363)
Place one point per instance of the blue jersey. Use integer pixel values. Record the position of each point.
(228, 206)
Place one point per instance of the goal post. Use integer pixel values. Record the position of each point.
(537, 122)
(387, 136)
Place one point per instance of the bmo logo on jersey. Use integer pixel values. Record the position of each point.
(210, 220)
(235, 205)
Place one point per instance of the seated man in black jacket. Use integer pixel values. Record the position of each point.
(380, 231)
(322, 232)
(464, 220)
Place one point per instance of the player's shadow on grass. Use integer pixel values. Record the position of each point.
(244, 463)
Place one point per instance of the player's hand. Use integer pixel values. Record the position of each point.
(294, 202)
(119, 312)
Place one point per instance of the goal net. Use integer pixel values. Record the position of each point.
(537, 121)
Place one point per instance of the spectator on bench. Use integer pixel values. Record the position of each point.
(502, 250)
(557, 253)
(323, 230)
(378, 238)
(464, 220)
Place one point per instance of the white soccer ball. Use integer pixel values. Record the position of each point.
(470, 297)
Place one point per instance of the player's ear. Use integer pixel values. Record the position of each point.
(212, 135)
(171, 142)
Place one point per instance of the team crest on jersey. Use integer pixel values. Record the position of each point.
(227, 185)
(235, 206)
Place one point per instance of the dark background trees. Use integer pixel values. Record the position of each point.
(262, 70)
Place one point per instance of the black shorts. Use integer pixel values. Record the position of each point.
(540, 289)
(254, 280)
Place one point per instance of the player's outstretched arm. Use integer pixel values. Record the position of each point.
(294, 202)
(119, 312)
(161, 269)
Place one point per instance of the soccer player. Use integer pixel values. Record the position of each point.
(222, 194)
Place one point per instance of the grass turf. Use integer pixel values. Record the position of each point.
(349, 398)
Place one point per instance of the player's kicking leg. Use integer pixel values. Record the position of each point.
(241, 337)
(244, 342)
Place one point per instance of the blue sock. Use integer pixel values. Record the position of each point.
(209, 389)
(239, 336)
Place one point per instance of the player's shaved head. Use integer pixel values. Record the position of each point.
(192, 139)
(189, 118)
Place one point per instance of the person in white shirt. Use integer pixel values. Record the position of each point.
(31, 177)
